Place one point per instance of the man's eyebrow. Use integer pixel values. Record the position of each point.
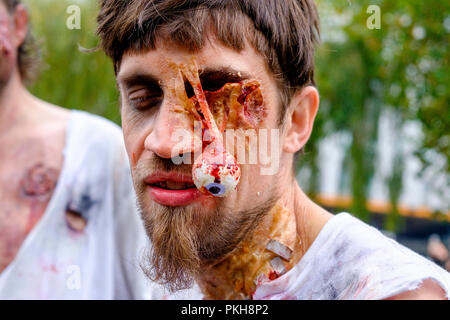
(224, 73)
(134, 79)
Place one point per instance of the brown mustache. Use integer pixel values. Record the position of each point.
(159, 164)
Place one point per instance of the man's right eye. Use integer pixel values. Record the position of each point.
(143, 99)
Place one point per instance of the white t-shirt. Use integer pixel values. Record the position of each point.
(102, 262)
(348, 260)
(352, 260)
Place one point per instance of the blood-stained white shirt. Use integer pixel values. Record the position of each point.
(102, 261)
(348, 260)
(352, 260)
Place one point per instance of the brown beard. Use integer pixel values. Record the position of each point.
(187, 239)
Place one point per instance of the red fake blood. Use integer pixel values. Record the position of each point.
(252, 292)
(39, 181)
(209, 119)
(50, 268)
(237, 105)
(273, 275)
(215, 173)
(214, 160)
(134, 159)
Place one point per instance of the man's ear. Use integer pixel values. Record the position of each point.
(20, 24)
(303, 110)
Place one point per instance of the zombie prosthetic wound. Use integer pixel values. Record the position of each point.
(271, 250)
(37, 187)
(216, 171)
(236, 105)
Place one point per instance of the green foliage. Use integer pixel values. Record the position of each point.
(403, 66)
(70, 77)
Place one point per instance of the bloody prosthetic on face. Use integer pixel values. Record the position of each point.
(237, 105)
(215, 171)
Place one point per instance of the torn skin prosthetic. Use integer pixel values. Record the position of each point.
(266, 254)
(236, 105)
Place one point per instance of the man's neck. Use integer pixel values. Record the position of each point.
(275, 246)
(13, 96)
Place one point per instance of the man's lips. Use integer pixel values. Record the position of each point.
(172, 189)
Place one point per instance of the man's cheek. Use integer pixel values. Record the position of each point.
(269, 151)
(130, 146)
(243, 145)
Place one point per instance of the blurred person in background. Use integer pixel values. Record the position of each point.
(68, 225)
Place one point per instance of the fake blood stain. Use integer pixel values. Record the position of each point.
(37, 187)
(133, 159)
(235, 105)
(273, 275)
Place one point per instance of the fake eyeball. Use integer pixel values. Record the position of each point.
(216, 172)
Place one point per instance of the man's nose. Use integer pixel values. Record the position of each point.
(172, 134)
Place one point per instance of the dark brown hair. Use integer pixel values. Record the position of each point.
(29, 54)
(283, 31)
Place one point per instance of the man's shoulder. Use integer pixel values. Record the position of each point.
(360, 251)
(355, 239)
(94, 126)
(93, 143)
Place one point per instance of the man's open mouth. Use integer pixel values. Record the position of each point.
(172, 189)
(173, 185)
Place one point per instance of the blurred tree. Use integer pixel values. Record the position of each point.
(403, 66)
(71, 78)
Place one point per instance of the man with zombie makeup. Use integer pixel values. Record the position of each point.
(208, 70)
(68, 224)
